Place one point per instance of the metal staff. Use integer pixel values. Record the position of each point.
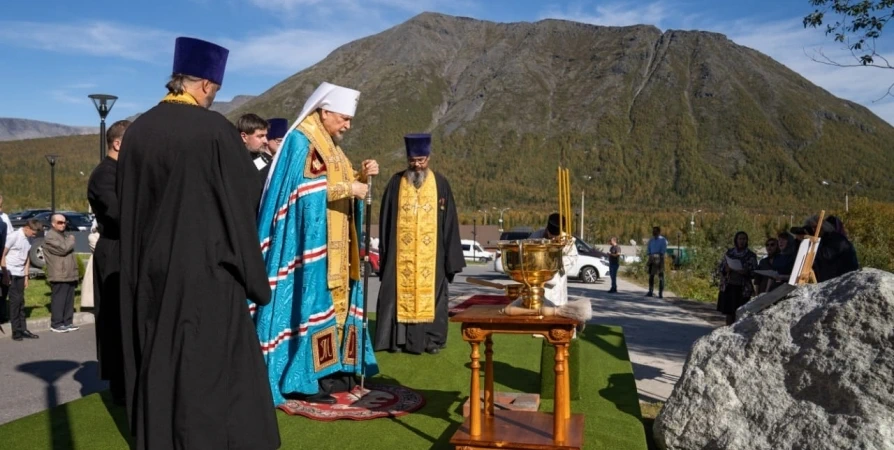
(367, 269)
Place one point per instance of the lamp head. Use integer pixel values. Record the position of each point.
(103, 103)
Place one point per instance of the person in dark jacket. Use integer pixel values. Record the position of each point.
(835, 255)
(62, 273)
(106, 273)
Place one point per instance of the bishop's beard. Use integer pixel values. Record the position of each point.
(416, 177)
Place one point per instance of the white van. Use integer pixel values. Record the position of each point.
(474, 251)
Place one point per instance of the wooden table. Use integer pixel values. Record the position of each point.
(516, 429)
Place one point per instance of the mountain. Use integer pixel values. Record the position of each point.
(654, 119)
(15, 129)
(222, 107)
(226, 107)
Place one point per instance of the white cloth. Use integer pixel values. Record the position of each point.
(87, 282)
(328, 96)
(19, 246)
(5, 219)
(558, 293)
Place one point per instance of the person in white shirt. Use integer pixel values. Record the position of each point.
(16, 265)
(558, 292)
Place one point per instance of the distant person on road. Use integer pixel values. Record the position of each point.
(657, 249)
(736, 269)
(190, 257)
(16, 264)
(614, 263)
(106, 265)
(558, 293)
(62, 273)
(419, 230)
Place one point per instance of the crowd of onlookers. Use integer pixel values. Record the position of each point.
(742, 276)
(15, 265)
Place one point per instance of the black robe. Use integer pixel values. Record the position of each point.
(190, 258)
(104, 202)
(415, 338)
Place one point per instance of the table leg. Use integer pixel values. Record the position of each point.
(475, 396)
(567, 382)
(489, 377)
(560, 395)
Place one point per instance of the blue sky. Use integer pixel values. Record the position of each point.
(53, 53)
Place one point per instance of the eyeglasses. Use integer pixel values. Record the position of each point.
(59, 222)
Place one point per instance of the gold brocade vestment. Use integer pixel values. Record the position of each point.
(417, 250)
(343, 253)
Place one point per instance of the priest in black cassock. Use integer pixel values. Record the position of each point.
(190, 257)
(420, 253)
(104, 203)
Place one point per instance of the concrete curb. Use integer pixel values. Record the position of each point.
(43, 323)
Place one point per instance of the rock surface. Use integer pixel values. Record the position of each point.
(815, 371)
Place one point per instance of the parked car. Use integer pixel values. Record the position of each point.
(516, 233)
(474, 251)
(589, 266)
(373, 258)
(19, 218)
(679, 256)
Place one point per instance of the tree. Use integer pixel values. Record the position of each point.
(858, 25)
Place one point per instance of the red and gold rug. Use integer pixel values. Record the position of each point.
(376, 401)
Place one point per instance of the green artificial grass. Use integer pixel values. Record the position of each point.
(609, 402)
(548, 370)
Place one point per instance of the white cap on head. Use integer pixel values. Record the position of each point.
(328, 96)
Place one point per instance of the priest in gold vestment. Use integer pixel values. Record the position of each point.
(420, 253)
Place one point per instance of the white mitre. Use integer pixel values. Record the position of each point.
(328, 96)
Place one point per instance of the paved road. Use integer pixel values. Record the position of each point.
(659, 332)
(58, 368)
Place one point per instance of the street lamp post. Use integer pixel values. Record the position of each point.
(847, 191)
(582, 216)
(52, 160)
(485, 216)
(103, 103)
(692, 219)
(501, 216)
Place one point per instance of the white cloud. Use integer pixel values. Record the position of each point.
(788, 42)
(615, 14)
(363, 6)
(283, 52)
(94, 38)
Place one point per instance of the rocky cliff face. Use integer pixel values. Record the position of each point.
(815, 371)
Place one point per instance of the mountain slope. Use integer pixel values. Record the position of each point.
(657, 119)
(15, 129)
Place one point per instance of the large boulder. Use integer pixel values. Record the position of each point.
(815, 371)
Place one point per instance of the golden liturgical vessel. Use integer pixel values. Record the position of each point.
(532, 262)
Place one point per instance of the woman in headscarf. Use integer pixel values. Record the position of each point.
(735, 282)
(784, 262)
